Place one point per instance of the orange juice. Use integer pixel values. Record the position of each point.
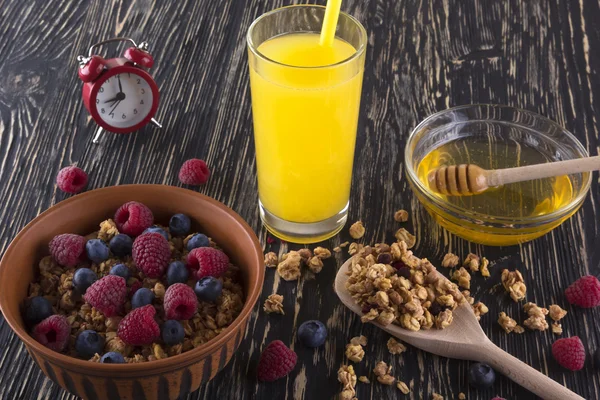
(305, 121)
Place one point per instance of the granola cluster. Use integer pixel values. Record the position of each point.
(536, 319)
(290, 266)
(274, 304)
(514, 284)
(347, 378)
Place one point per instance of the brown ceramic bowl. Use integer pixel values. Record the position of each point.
(162, 379)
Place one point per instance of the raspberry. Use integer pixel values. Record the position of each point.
(53, 332)
(206, 261)
(139, 328)
(180, 302)
(276, 361)
(71, 179)
(194, 172)
(133, 218)
(107, 295)
(68, 249)
(151, 253)
(584, 292)
(569, 353)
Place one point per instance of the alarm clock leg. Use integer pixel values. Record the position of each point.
(156, 123)
(97, 135)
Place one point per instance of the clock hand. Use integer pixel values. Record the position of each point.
(112, 100)
(120, 87)
(116, 105)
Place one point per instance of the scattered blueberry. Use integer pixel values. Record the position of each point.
(180, 225)
(172, 332)
(198, 240)
(120, 245)
(481, 376)
(177, 273)
(312, 333)
(120, 270)
(112, 357)
(88, 343)
(157, 229)
(83, 279)
(36, 309)
(96, 250)
(208, 289)
(142, 297)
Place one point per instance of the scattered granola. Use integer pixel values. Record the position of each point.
(355, 248)
(364, 379)
(450, 260)
(357, 230)
(345, 244)
(289, 267)
(557, 328)
(483, 268)
(361, 340)
(337, 249)
(508, 324)
(271, 260)
(322, 253)
(395, 347)
(403, 387)
(461, 396)
(405, 236)
(463, 278)
(480, 309)
(354, 352)
(556, 313)
(315, 264)
(472, 262)
(537, 317)
(436, 396)
(347, 378)
(401, 216)
(305, 254)
(382, 372)
(274, 304)
(514, 284)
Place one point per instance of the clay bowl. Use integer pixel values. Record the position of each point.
(162, 379)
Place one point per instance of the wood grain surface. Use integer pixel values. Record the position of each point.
(423, 56)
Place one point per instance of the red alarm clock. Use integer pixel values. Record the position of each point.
(118, 92)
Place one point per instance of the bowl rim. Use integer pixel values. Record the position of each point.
(157, 366)
(474, 216)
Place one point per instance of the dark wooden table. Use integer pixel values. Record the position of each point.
(423, 56)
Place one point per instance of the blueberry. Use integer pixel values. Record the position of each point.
(112, 357)
(83, 279)
(198, 240)
(481, 376)
(89, 343)
(120, 270)
(177, 273)
(180, 225)
(35, 310)
(120, 245)
(142, 297)
(172, 332)
(208, 289)
(157, 229)
(96, 250)
(312, 333)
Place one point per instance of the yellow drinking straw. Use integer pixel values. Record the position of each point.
(332, 13)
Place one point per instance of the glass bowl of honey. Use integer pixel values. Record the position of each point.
(494, 137)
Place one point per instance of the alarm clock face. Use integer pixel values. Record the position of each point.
(124, 100)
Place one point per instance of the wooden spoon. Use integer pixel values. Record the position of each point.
(468, 179)
(465, 340)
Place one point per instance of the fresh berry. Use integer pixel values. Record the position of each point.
(597, 358)
(112, 357)
(180, 225)
(384, 258)
(71, 179)
(172, 332)
(569, 353)
(206, 261)
(404, 272)
(312, 333)
(584, 292)
(180, 302)
(68, 249)
(139, 328)
(96, 250)
(35, 310)
(142, 297)
(133, 218)
(270, 240)
(481, 376)
(196, 241)
(276, 361)
(107, 295)
(135, 286)
(83, 279)
(88, 343)
(208, 289)
(120, 270)
(177, 273)
(120, 245)
(53, 332)
(194, 172)
(157, 229)
(151, 253)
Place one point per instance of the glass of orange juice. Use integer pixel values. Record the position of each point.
(305, 105)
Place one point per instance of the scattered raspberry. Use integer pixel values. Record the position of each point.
(270, 240)
(584, 292)
(139, 328)
(194, 172)
(53, 332)
(133, 218)
(180, 302)
(276, 361)
(68, 249)
(71, 179)
(569, 353)
(151, 253)
(206, 261)
(107, 295)
(134, 287)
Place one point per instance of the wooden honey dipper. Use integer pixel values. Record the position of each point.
(468, 179)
